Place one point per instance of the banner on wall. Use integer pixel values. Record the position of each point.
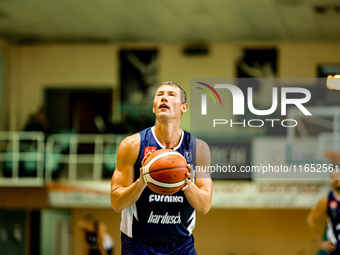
(268, 195)
(230, 194)
(62, 195)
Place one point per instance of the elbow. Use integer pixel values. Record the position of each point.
(114, 204)
(116, 208)
(205, 209)
(203, 212)
(310, 222)
(309, 219)
(205, 206)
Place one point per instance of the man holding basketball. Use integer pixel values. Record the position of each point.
(143, 230)
(327, 210)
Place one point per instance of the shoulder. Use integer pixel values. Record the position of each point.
(129, 147)
(319, 213)
(202, 143)
(131, 141)
(322, 204)
(202, 146)
(323, 200)
(203, 156)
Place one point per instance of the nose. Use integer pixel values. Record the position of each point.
(164, 99)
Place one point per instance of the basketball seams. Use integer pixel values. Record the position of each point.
(164, 184)
(167, 168)
(149, 164)
(148, 178)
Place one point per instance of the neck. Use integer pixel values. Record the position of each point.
(169, 135)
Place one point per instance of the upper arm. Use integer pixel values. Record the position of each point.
(203, 158)
(101, 232)
(318, 214)
(127, 155)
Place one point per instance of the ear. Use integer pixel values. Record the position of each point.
(184, 108)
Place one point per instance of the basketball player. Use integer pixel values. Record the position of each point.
(93, 235)
(327, 210)
(152, 223)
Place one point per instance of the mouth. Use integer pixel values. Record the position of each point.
(163, 106)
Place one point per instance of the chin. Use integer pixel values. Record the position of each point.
(163, 114)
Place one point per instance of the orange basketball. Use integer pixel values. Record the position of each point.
(165, 171)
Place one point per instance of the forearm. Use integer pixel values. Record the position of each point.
(124, 197)
(200, 199)
(317, 237)
(102, 250)
(316, 232)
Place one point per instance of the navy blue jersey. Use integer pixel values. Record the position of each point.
(160, 218)
(333, 212)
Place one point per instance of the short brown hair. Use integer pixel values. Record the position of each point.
(183, 93)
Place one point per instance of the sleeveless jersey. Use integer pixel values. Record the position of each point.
(333, 223)
(160, 218)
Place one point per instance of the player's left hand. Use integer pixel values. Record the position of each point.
(328, 246)
(190, 178)
(146, 156)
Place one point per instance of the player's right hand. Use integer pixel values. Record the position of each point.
(146, 156)
(141, 176)
(327, 246)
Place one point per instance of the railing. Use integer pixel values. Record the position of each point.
(30, 158)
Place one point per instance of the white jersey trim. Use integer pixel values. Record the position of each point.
(193, 222)
(127, 220)
(330, 232)
(161, 145)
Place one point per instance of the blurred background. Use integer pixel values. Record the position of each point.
(76, 77)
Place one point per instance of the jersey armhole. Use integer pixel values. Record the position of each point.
(193, 149)
(138, 157)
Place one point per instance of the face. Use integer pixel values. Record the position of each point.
(167, 102)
